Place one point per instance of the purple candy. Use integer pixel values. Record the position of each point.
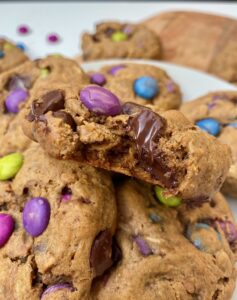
(115, 69)
(229, 230)
(98, 78)
(142, 245)
(6, 228)
(56, 287)
(53, 38)
(100, 101)
(23, 29)
(36, 215)
(14, 99)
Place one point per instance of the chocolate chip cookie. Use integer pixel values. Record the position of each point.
(216, 113)
(17, 86)
(117, 40)
(166, 253)
(57, 221)
(139, 83)
(89, 124)
(10, 55)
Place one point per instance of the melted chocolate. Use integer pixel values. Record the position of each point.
(101, 252)
(147, 128)
(130, 108)
(67, 118)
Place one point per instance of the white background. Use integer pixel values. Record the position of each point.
(70, 19)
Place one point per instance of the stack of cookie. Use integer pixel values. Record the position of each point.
(149, 224)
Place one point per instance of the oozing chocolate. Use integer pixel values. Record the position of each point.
(147, 128)
(130, 108)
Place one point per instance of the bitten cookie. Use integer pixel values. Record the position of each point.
(216, 113)
(116, 40)
(16, 88)
(89, 124)
(10, 55)
(139, 83)
(170, 253)
(57, 220)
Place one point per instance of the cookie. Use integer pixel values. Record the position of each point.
(10, 55)
(167, 253)
(16, 88)
(89, 124)
(59, 221)
(116, 40)
(216, 113)
(139, 83)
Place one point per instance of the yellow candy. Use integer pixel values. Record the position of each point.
(44, 73)
(119, 36)
(9, 165)
(7, 46)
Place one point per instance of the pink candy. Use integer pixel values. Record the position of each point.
(53, 38)
(23, 29)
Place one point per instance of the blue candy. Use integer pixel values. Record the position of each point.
(2, 54)
(21, 46)
(146, 87)
(209, 125)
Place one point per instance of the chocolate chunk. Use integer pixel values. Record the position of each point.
(18, 81)
(101, 252)
(67, 118)
(147, 128)
(52, 101)
(130, 108)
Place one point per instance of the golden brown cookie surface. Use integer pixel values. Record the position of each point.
(140, 83)
(116, 40)
(74, 246)
(168, 253)
(217, 112)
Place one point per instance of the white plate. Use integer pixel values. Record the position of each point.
(192, 83)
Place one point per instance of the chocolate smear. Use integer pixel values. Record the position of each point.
(147, 128)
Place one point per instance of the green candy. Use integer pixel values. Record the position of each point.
(7, 46)
(44, 73)
(119, 36)
(9, 165)
(171, 201)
